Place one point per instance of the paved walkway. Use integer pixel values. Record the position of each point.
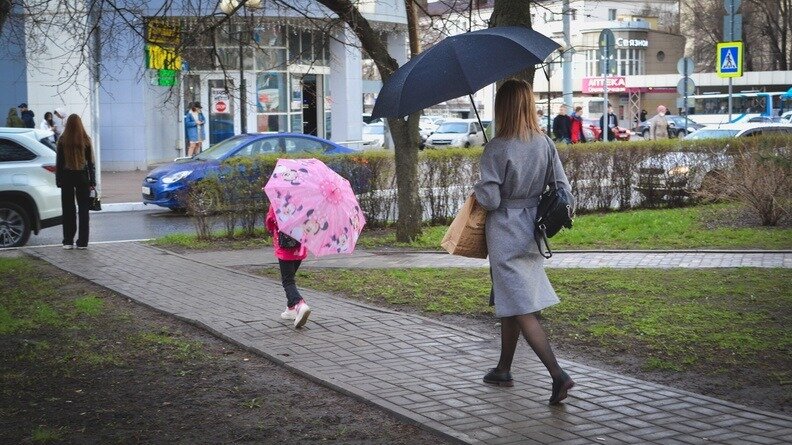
(417, 368)
(618, 260)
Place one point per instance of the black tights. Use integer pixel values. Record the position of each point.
(530, 327)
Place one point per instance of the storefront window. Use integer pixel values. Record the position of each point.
(271, 92)
(272, 123)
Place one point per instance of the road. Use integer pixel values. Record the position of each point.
(120, 226)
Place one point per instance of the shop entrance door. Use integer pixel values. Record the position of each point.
(219, 110)
(310, 106)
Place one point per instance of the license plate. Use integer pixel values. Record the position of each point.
(146, 190)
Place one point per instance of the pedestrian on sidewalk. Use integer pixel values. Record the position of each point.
(49, 124)
(576, 125)
(75, 174)
(658, 125)
(27, 115)
(289, 260)
(562, 126)
(13, 119)
(194, 126)
(515, 169)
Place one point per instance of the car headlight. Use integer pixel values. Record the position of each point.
(679, 170)
(175, 177)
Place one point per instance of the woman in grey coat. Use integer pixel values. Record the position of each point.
(515, 168)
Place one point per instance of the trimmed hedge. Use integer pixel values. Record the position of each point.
(603, 175)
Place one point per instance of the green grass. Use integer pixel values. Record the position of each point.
(43, 434)
(169, 343)
(189, 241)
(89, 305)
(672, 319)
(679, 228)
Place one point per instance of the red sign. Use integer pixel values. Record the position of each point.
(220, 106)
(616, 84)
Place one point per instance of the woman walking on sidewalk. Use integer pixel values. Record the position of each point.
(289, 260)
(515, 168)
(76, 176)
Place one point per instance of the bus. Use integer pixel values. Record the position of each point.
(714, 108)
(593, 106)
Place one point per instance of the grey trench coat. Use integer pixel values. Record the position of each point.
(514, 174)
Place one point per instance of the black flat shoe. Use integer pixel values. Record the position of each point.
(495, 377)
(560, 388)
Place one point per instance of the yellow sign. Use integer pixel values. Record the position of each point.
(729, 59)
(162, 39)
(159, 58)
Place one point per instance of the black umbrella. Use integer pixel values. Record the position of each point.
(461, 65)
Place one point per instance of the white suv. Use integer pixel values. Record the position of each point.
(29, 198)
(456, 133)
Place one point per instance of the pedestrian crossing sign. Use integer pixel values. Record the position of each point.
(729, 59)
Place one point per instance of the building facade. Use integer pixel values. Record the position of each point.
(648, 47)
(301, 71)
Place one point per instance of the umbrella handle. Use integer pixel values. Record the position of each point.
(475, 109)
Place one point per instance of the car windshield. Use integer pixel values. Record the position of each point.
(221, 149)
(453, 127)
(712, 134)
(374, 129)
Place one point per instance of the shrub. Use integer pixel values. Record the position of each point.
(603, 176)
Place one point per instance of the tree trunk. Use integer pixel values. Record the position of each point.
(405, 134)
(514, 13)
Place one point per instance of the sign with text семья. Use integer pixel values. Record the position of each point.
(616, 84)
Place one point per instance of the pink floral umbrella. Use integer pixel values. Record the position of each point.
(315, 205)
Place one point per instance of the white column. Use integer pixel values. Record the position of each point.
(346, 86)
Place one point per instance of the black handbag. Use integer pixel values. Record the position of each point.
(95, 203)
(554, 212)
(287, 242)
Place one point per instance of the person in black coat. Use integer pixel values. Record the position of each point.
(27, 116)
(609, 127)
(562, 126)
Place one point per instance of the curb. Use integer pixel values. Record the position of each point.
(125, 207)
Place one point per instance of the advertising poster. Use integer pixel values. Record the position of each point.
(220, 101)
(268, 92)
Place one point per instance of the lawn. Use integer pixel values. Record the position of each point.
(698, 227)
(701, 227)
(734, 321)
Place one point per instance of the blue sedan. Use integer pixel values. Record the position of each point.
(166, 185)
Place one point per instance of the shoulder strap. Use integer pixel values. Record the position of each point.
(550, 161)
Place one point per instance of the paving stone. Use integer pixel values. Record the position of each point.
(419, 369)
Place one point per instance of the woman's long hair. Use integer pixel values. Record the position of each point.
(76, 144)
(515, 111)
(48, 119)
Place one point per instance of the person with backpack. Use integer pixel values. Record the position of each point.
(290, 254)
(516, 167)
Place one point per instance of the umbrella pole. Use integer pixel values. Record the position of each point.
(479, 118)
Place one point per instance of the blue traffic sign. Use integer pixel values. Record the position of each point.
(729, 59)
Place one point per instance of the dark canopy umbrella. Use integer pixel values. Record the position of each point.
(460, 65)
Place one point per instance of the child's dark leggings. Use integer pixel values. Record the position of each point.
(288, 268)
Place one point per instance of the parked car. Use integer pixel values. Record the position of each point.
(740, 130)
(456, 133)
(681, 173)
(622, 134)
(787, 117)
(166, 186)
(29, 198)
(676, 127)
(374, 136)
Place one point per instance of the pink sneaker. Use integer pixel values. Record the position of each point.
(303, 311)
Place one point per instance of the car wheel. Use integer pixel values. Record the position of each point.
(681, 134)
(467, 144)
(14, 225)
